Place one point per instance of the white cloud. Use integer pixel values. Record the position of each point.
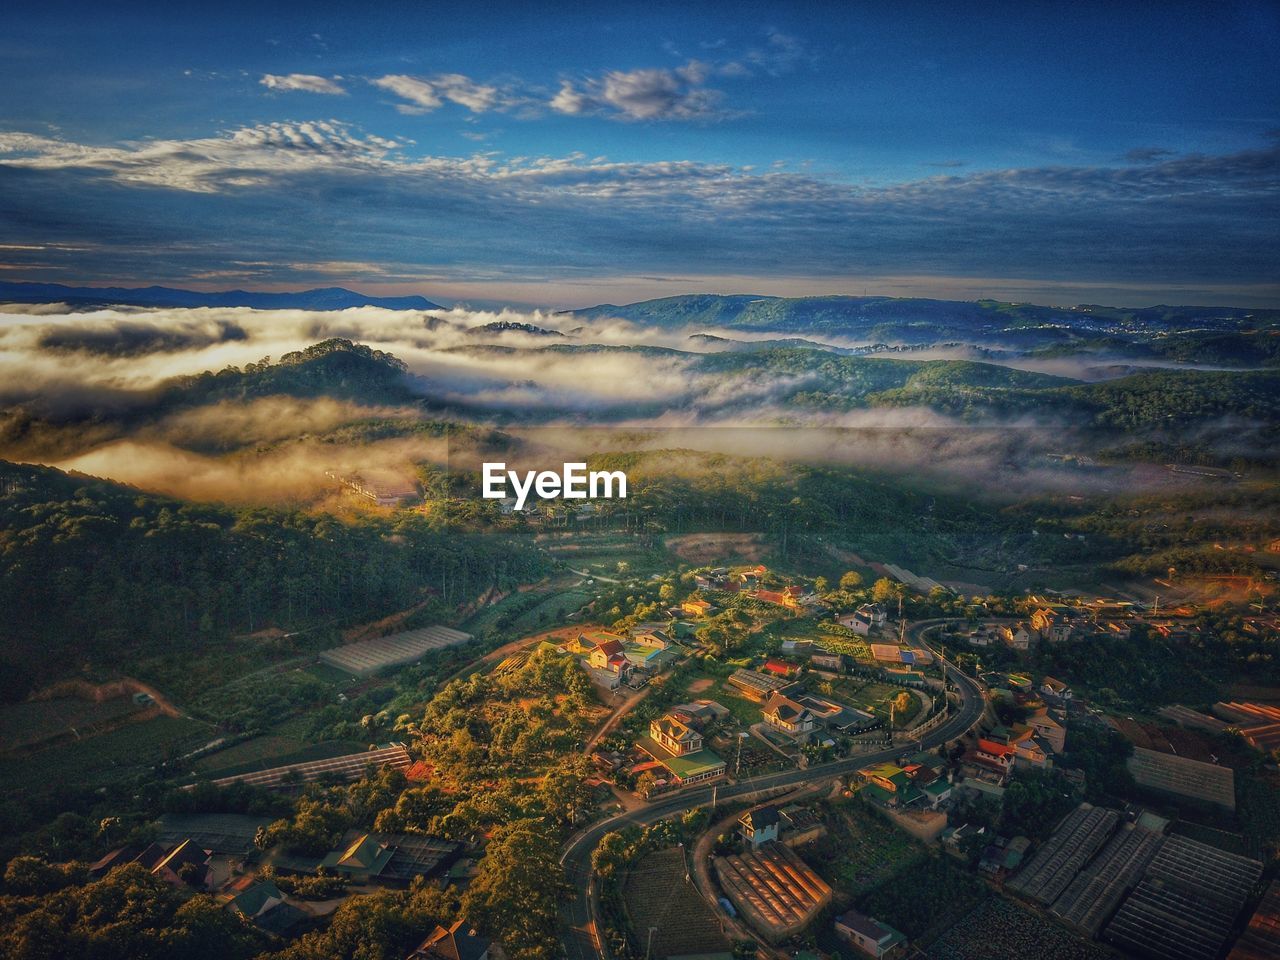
(303, 83)
(247, 157)
(425, 94)
(646, 94)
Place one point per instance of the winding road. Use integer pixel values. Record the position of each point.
(579, 916)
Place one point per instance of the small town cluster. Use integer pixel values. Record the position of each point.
(793, 769)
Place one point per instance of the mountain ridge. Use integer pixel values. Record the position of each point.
(317, 298)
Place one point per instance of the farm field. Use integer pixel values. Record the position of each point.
(929, 900)
(655, 895)
(862, 849)
(26, 724)
(113, 756)
(527, 611)
(999, 930)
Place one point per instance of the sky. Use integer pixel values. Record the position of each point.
(566, 155)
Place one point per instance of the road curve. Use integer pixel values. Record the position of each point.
(579, 914)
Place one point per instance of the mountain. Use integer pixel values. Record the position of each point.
(917, 321)
(322, 298)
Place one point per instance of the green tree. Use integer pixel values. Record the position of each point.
(516, 891)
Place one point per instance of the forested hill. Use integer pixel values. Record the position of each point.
(93, 572)
(1203, 334)
(332, 368)
(335, 369)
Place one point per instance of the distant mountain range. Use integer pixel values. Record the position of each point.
(911, 319)
(322, 298)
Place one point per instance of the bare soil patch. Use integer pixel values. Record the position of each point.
(704, 548)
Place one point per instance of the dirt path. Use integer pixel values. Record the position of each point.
(615, 718)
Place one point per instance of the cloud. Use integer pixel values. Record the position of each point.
(647, 94)
(424, 94)
(303, 83)
(248, 156)
(268, 195)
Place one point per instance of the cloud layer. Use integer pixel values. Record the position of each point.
(258, 205)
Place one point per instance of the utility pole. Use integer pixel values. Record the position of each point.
(648, 951)
(713, 799)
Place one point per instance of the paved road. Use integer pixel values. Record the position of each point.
(578, 917)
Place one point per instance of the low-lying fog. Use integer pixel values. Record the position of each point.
(77, 389)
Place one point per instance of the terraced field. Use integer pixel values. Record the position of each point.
(656, 895)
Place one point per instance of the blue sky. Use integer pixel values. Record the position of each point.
(567, 155)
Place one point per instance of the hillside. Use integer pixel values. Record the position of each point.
(1202, 334)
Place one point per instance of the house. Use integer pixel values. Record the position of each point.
(454, 942)
(677, 737)
(800, 825)
(261, 903)
(1049, 730)
(678, 748)
(362, 859)
(779, 668)
(786, 715)
(872, 937)
(874, 613)
(1061, 632)
(834, 662)
(698, 712)
(1001, 858)
(1032, 753)
(856, 622)
(927, 772)
(608, 655)
(698, 608)
(889, 786)
(758, 686)
(184, 865)
(760, 825)
(1051, 687)
(835, 716)
(651, 635)
(1019, 636)
(1044, 620)
(784, 598)
(984, 637)
(994, 755)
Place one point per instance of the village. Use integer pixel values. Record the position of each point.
(796, 753)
